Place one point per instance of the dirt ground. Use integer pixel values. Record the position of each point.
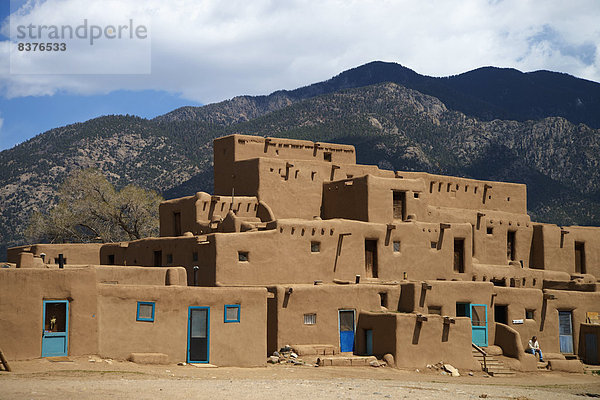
(80, 378)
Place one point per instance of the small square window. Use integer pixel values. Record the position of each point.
(397, 246)
(232, 313)
(529, 314)
(310, 319)
(169, 258)
(327, 156)
(490, 230)
(416, 195)
(111, 259)
(145, 311)
(434, 245)
(243, 256)
(315, 247)
(195, 256)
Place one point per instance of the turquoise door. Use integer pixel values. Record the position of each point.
(55, 334)
(346, 321)
(479, 324)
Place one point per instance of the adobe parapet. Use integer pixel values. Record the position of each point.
(244, 147)
(229, 149)
(454, 192)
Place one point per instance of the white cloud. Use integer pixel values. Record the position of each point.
(210, 50)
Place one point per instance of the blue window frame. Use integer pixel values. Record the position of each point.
(145, 311)
(232, 313)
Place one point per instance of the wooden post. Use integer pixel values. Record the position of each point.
(4, 362)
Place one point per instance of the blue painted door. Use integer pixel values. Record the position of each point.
(565, 332)
(55, 334)
(346, 321)
(479, 324)
(369, 341)
(198, 334)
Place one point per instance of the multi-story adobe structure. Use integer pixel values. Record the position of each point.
(302, 246)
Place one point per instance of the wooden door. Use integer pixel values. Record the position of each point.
(371, 258)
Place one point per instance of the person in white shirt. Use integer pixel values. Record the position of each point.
(533, 347)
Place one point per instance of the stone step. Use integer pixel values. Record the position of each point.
(346, 361)
(493, 366)
(314, 349)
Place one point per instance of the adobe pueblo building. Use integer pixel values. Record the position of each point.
(301, 246)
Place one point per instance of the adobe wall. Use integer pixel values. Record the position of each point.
(415, 343)
(370, 198)
(230, 344)
(229, 149)
(589, 329)
(517, 302)
(22, 292)
(74, 253)
(292, 188)
(579, 303)
(184, 251)
(512, 275)
(454, 192)
(433, 341)
(283, 255)
(325, 301)
(172, 276)
(554, 248)
(201, 213)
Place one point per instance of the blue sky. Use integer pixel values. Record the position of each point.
(211, 50)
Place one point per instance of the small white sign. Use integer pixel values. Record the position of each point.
(517, 321)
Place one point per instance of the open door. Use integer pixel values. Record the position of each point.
(371, 270)
(198, 335)
(346, 321)
(399, 205)
(55, 336)
(479, 324)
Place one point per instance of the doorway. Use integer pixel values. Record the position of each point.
(176, 224)
(346, 323)
(580, 257)
(399, 203)
(158, 258)
(565, 332)
(591, 348)
(369, 342)
(371, 259)
(501, 314)
(198, 335)
(479, 324)
(459, 255)
(55, 336)
(510, 245)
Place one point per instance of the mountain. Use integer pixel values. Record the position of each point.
(390, 124)
(486, 93)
